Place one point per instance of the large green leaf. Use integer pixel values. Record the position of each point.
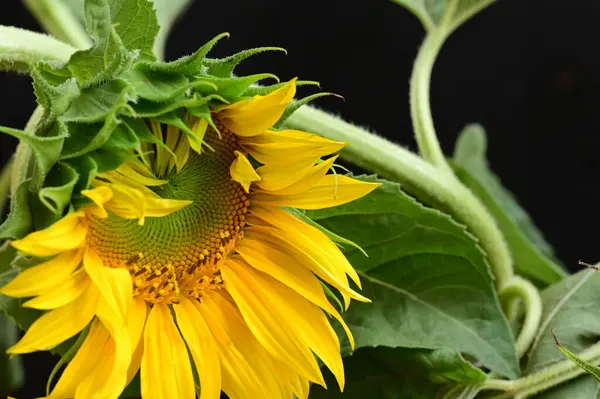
(429, 282)
(531, 253)
(571, 309)
(389, 372)
(431, 12)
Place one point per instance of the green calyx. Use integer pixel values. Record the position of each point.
(94, 106)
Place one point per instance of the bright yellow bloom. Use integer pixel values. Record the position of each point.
(187, 251)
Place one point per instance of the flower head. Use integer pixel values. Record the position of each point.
(184, 259)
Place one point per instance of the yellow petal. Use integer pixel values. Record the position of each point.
(268, 306)
(331, 191)
(130, 203)
(254, 116)
(109, 377)
(286, 269)
(38, 280)
(129, 174)
(242, 171)
(288, 181)
(114, 284)
(242, 358)
(98, 382)
(83, 362)
(199, 130)
(202, 346)
(289, 147)
(268, 330)
(68, 233)
(59, 325)
(99, 196)
(166, 371)
(64, 293)
(321, 266)
(311, 237)
(135, 327)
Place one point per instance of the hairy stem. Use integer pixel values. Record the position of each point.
(420, 109)
(545, 379)
(389, 160)
(58, 20)
(5, 178)
(519, 288)
(19, 48)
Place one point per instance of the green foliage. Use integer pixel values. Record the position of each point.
(388, 372)
(11, 370)
(431, 12)
(585, 365)
(571, 309)
(428, 280)
(531, 253)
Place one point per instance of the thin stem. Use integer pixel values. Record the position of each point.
(5, 175)
(389, 160)
(545, 379)
(57, 19)
(420, 108)
(518, 287)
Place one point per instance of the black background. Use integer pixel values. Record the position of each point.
(527, 70)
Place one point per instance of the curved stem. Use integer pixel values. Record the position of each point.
(58, 20)
(545, 379)
(389, 160)
(420, 108)
(19, 48)
(518, 287)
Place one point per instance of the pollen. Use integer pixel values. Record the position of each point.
(181, 253)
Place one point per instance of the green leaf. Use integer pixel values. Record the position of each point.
(11, 370)
(590, 368)
(531, 253)
(388, 372)
(296, 104)
(224, 67)
(46, 150)
(85, 138)
(429, 282)
(123, 31)
(95, 103)
(571, 309)
(187, 65)
(167, 13)
(108, 57)
(55, 98)
(21, 48)
(18, 223)
(431, 12)
(136, 24)
(58, 188)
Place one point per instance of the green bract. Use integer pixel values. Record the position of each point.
(93, 105)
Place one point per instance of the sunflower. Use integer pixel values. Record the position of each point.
(186, 264)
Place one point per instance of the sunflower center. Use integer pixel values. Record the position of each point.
(180, 254)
